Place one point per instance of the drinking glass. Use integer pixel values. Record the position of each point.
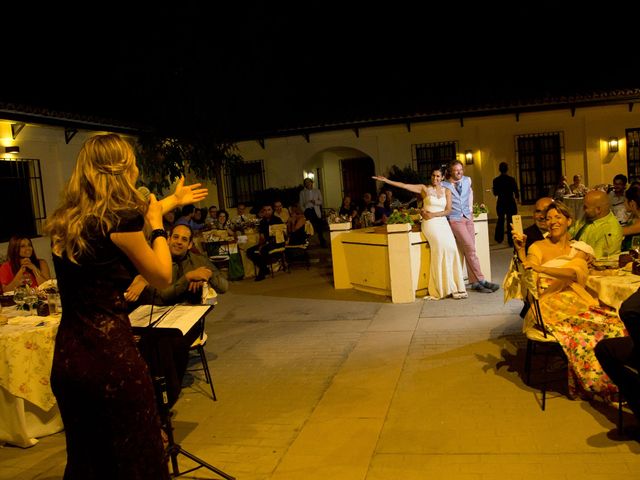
(635, 244)
(30, 298)
(18, 297)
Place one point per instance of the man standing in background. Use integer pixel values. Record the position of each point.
(505, 189)
(311, 204)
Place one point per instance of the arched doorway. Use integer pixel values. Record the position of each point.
(340, 171)
(356, 176)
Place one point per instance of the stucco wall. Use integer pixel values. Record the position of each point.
(492, 139)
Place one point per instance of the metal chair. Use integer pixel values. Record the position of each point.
(198, 346)
(538, 337)
(276, 256)
(299, 253)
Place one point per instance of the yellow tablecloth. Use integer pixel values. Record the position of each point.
(614, 289)
(244, 243)
(27, 405)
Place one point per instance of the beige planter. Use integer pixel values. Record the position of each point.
(398, 227)
(340, 226)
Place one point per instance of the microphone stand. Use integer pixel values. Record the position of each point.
(153, 337)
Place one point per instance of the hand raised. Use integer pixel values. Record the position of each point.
(187, 194)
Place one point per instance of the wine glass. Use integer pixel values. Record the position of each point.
(19, 297)
(30, 298)
(635, 245)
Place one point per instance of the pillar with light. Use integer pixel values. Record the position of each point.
(468, 157)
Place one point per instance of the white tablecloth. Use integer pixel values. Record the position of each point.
(575, 205)
(613, 289)
(27, 406)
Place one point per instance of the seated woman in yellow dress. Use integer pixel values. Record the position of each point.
(572, 315)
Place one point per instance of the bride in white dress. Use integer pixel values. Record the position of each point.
(445, 272)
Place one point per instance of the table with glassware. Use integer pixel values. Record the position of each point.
(612, 285)
(28, 408)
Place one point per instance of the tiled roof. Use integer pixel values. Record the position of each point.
(45, 116)
(513, 106)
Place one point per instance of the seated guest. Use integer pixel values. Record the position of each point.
(296, 226)
(632, 229)
(222, 221)
(381, 212)
(22, 265)
(212, 216)
(539, 229)
(280, 211)
(187, 218)
(577, 187)
(561, 189)
(346, 207)
(616, 199)
(614, 354)
(599, 227)
(258, 254)
(367, 200)
(189, 273)
(199, 215)
(569, 312)
(169, 219)
(392, 202)
(242, 215)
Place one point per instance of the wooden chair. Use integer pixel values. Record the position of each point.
(198, 347)
(276, 256)
(299, 253)
(538, 337)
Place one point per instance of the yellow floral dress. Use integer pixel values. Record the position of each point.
(578, 322)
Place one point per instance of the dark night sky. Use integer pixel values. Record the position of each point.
(239, 69)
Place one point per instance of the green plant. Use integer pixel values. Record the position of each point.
(400, 217)
(478, 209)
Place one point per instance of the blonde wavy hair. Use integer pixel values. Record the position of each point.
(100, 190)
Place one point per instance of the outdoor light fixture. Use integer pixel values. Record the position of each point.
(613, 144)
(468, 157)
(12, 149)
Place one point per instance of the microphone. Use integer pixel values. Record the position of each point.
(144, 192)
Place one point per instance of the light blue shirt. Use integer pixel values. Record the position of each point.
(460, 200)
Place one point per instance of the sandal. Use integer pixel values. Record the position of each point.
(460, 295)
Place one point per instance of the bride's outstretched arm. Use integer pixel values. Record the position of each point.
(415, 188)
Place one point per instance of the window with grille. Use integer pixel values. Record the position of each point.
(242, 181)
(429, 156)
(540, 160)
(633, 154)
(21, 193)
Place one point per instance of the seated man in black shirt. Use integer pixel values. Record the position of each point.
(538, 230)
(190, 272)
(258, 254)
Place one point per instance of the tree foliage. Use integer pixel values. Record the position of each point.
(167, 158)
(405, 175)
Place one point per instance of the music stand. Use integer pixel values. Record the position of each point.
(157, 342)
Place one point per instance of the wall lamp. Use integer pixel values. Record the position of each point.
(12, 149)
(468, 157)
(613, 144)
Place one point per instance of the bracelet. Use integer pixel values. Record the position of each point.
(158, 232)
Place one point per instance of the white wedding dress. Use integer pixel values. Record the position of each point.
(445, 273)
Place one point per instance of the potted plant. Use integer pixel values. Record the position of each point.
(399, 221)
